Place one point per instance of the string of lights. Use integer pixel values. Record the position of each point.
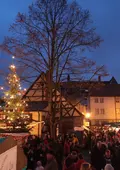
(14, 109)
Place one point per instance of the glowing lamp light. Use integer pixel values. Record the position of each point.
(87, 115)
(12, 66)
(6, 94)
(13, 57)
(1, 88)
(12, 97)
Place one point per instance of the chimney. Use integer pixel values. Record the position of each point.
(99, 78)
(68, 78)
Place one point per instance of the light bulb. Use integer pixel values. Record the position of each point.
(1, 88)
(13, 57)
(12, 66)
(12, 97)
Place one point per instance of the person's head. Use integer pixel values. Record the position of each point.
(107, 153)
(74, 155)
(85, 166)
(50, 155)
(108, 167)
(80, 156)
(39, 163)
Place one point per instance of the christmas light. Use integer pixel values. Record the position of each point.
(13, 57)
(14, 108)
(1, 88)
(12, 66)
(12, 97)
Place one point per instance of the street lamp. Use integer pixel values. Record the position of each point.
(87, 115)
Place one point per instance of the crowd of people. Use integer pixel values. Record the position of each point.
(65, 153)
(105, 149)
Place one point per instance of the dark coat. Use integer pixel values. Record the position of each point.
(51, 165)
(97, 158)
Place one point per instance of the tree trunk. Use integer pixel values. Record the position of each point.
(50, 104)
(53, 130)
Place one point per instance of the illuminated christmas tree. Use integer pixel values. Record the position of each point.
(14, 108)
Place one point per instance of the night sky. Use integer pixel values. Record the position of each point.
(105, 14)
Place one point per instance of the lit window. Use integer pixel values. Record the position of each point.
(102, 111)
(101, 100)
(96, 111)
(96, 100)
(117, 99)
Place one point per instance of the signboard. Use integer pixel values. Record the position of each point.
(8, 159)
(87, 124)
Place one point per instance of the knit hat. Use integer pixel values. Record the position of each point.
(108, 167)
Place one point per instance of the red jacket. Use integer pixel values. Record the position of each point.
(79, 163)
(66, 148)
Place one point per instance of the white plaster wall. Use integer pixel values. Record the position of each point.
(108, 106)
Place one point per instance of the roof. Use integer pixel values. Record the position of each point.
(87, 84)
(109, 90)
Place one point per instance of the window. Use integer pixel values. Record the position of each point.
(2, 116)
(101, 100)
(102, 111)
(117, 99)
(118, 111)
(97, 111)
(96, 100)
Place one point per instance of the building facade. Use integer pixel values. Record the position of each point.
(104, 105)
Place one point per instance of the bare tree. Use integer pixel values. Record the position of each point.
(52, 37)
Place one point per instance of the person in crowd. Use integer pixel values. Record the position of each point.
(30, 159)
(39, 166)
(69, 163)
(74, 155)
(80, 161)
(66, 147)
(85, 166)
(97, 158)
(75, 139)
(108, 157)
(108, 167)
(51, 161)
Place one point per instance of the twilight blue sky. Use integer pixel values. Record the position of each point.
(106, 17)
